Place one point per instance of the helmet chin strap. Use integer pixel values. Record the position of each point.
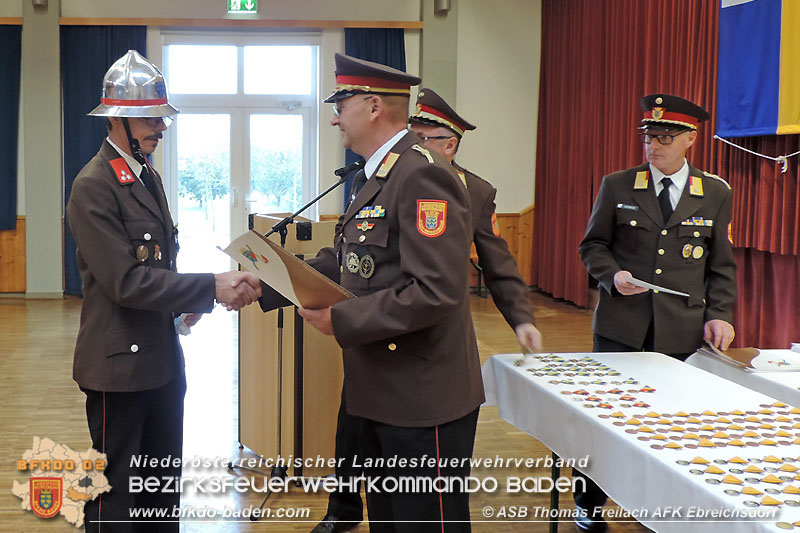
(136, 150)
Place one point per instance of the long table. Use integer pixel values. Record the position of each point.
(785, 386)
(660, 435)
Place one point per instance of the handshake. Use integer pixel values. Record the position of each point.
(235, 289)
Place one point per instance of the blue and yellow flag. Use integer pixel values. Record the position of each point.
(758, 89)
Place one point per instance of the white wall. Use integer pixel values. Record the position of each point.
(11, 8)
(268, 9)
(499, 48)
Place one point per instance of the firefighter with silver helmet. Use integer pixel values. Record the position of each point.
(128, 360)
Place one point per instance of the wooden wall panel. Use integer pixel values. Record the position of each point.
(12, 258)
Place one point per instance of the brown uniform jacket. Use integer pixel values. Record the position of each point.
(502, 277)
(410, 355)
(126, 340)
(690, 253)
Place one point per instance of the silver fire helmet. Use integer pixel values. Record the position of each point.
(134, 87)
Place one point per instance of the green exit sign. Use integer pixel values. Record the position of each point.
(242, 6)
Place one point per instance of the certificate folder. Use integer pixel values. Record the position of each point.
(291, 277)
(753, 360)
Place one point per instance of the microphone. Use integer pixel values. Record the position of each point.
(358, 165)
(341, 172)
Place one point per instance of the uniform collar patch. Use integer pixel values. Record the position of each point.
(122, 171)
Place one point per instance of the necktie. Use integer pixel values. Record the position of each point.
(663, 199)
(149, 183)
(358, 181)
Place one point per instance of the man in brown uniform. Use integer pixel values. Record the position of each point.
(128, 360)
(441, 129)
(666, 223)
(411, 365)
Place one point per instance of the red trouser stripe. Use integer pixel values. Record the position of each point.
(100, 501)
(439, 474)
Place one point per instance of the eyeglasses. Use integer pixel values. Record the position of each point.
(337, 109)
(432, 137)
(154, 122)
(663, 139)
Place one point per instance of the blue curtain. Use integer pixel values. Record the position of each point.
(385, 46)
(11, 45)
(86, 54)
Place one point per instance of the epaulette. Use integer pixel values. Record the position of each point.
(423, 151)
(709, 175)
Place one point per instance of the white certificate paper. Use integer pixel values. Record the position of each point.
(640, 283)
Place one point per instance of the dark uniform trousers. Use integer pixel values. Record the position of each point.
(437, 510)
(124, 425)
(346, 505)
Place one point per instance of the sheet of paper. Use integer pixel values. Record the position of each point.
(293, 278)
(640, 283)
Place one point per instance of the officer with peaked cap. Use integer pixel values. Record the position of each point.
(411, 365)
(128, 360)
(441, 129)
(666, 223)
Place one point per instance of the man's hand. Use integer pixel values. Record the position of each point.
(319, 318)
(622, 281)
(192, 318)
(529, 337)
(235, 289)
(718, 333)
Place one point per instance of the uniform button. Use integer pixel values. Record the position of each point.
(362, 238)
(341, 268)
(664, 232)
(344, 239)
(658, 271)
(633, 222)
(696, 233)
(392, 346)
(134, 348)
(660, 251)
(655, 291)
(147, 236)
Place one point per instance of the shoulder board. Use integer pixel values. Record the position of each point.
(423, 151)
(386, 166)
(121, 170)
(709, 175)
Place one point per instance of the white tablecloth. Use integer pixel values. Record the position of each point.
(637, 476)
(785, 386)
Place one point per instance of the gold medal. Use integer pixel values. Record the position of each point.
(687, 251)
(697, 253)
(142, 253)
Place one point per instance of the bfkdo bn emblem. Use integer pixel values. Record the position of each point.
(45, 494)
(431, 217)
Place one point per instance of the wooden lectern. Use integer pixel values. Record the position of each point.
(269, 377)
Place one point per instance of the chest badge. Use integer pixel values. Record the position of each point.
(365, 226)
(687, 251)
(157, 253)
(142, 253)
(352, 261)
(697, 253)
(366, 267)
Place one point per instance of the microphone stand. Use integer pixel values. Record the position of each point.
(281, 471)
